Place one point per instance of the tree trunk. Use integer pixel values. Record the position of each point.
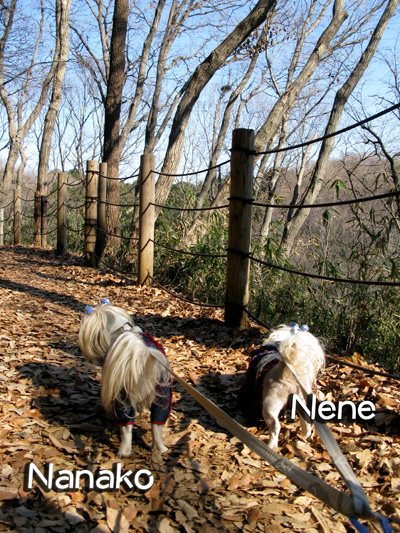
(61, 56)
(62, 46)
(115, 86)
(16, 130)
(195, 85)
(268, 130)
(294, 225)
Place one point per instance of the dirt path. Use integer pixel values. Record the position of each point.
(51, 414)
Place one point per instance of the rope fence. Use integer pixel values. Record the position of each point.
(330, 135)
(324, 204)
(187, 252)
(325, 278)
(182, 298)
(190, 209)
(237, 254)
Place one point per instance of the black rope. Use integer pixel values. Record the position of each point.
(10, 216)
(130, 177)
(329, 135)
(118, 236)
(363, 368)
(255, 318)
(326, 278)
(25, 215)
(199, 304)
(325, 204)
(196, 254)
(118, 205)
(191, 173)
(112, 178)
(8, 205)
(123, 275)
(52, 212)
(75, 207)
(76, 184)
(74, 230)
(47, 232)
(189, 208)
(47, 195)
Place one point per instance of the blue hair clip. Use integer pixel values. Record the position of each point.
(294, 326)
(105, 301)
(88, 309)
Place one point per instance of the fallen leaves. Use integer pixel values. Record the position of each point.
(208, 481)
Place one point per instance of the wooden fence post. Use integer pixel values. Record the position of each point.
(146, 219)
(61, 214)
(101, 216)
(38, 216)
(17, 215)
(91, 212)
(43, 220)
(1, 226)
(239, 235)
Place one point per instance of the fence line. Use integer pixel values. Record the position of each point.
(329, 135)
(326, 278)
(326, 204)
(194, 173)
(178, 297)
(240, 214)
(186, 252)
(188, 209)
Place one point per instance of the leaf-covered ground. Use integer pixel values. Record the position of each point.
(208, 481)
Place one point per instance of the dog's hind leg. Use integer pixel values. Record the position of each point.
(305, 427)
(158, 445)
(126, 441)
(270, 413)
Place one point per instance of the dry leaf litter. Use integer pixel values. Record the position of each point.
(208, 481)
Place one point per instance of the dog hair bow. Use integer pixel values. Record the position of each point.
(89, 308)
(304, 327)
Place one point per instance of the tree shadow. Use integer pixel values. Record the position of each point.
(50, 296)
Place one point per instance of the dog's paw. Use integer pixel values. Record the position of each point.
(273, 443)
(160, 448)
(124, 452)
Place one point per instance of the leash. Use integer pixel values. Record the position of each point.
(359, 498)
(355, 506)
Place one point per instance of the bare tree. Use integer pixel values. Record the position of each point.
(115, 85)
(199, 79)
(294, 224)
(17, 97)
(62, 9)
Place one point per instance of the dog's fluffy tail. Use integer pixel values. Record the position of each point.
(302, 350)
(131, 373)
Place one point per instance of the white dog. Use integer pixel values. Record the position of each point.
(269, 382)
(133, 377)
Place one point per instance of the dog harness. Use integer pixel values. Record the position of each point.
(250, 393)
(160, 409)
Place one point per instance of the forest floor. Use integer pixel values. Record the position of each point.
(208, 480)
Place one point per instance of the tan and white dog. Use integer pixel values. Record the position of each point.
(133, 376)
(269, 382)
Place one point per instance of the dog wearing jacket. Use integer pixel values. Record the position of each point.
(269, 382)
(134, 373)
